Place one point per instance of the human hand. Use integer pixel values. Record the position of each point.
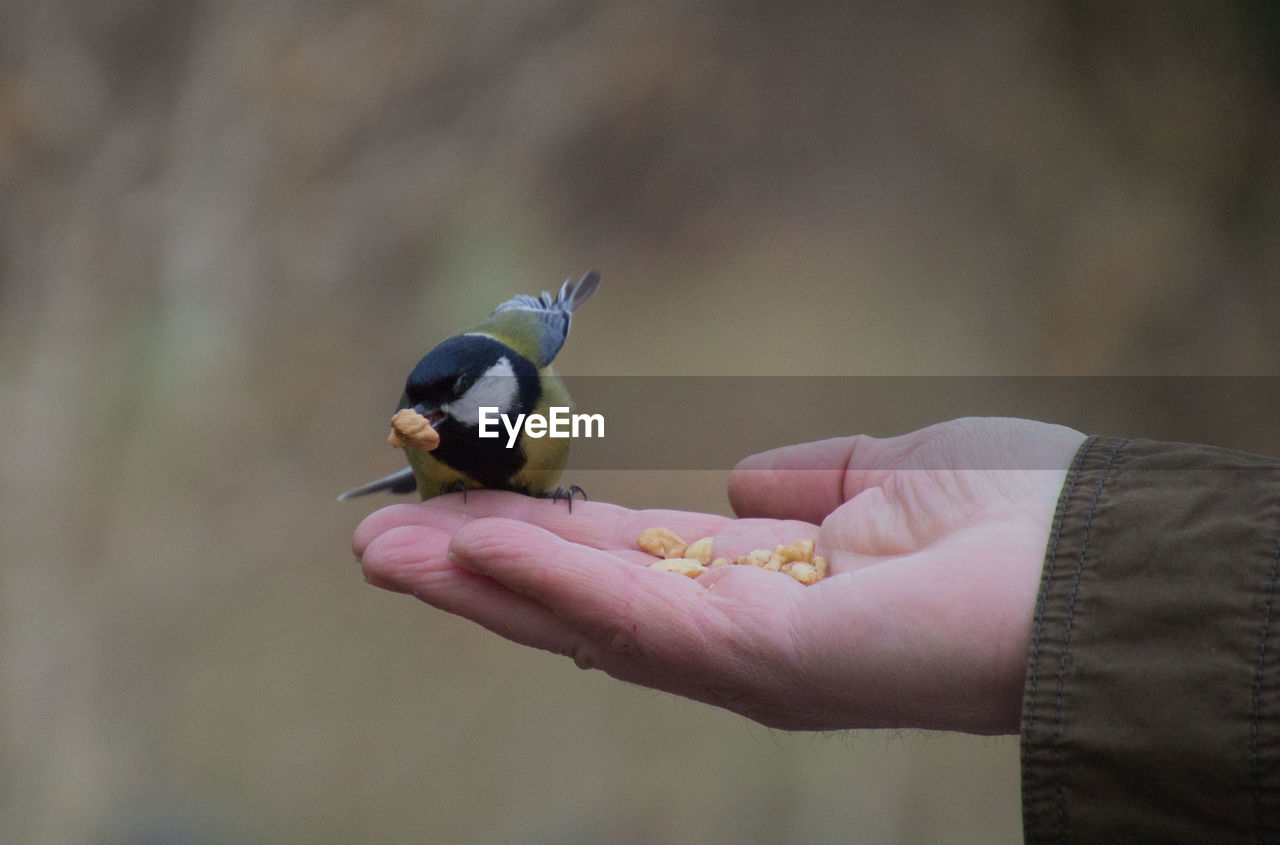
(935, 541)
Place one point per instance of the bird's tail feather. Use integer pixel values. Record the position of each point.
(397, 482)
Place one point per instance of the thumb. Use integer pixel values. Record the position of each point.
(810, 480)
(805, 481)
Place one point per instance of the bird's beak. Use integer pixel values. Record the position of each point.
(433, 415)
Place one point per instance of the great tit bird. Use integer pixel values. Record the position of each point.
(504, 363)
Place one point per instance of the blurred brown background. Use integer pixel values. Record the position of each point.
(227, 231)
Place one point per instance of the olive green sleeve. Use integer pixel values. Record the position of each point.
(1151, 709)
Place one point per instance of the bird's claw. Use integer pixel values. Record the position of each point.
(567, 493)
(458, 486)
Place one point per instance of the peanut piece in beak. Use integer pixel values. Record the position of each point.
(410, 429)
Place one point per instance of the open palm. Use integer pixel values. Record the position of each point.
(935, 539)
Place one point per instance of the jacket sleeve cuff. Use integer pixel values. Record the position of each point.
(1151, 708)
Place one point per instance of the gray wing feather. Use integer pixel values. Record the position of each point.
(555, 314)
(397, 482)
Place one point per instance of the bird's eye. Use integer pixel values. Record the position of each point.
(462, 384)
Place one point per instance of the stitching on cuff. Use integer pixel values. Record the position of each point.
(1059, 796)
(1051, 562)
(1255, 766)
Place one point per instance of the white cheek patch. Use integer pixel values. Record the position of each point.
(497, 388)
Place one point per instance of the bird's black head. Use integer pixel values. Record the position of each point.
(464, 373)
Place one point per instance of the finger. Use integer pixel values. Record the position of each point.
(809, 480)
(804, 481)
(381, 521)
(596, 524)
(623, 609)
(414, 560)
(402, 554)
(724, 642)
